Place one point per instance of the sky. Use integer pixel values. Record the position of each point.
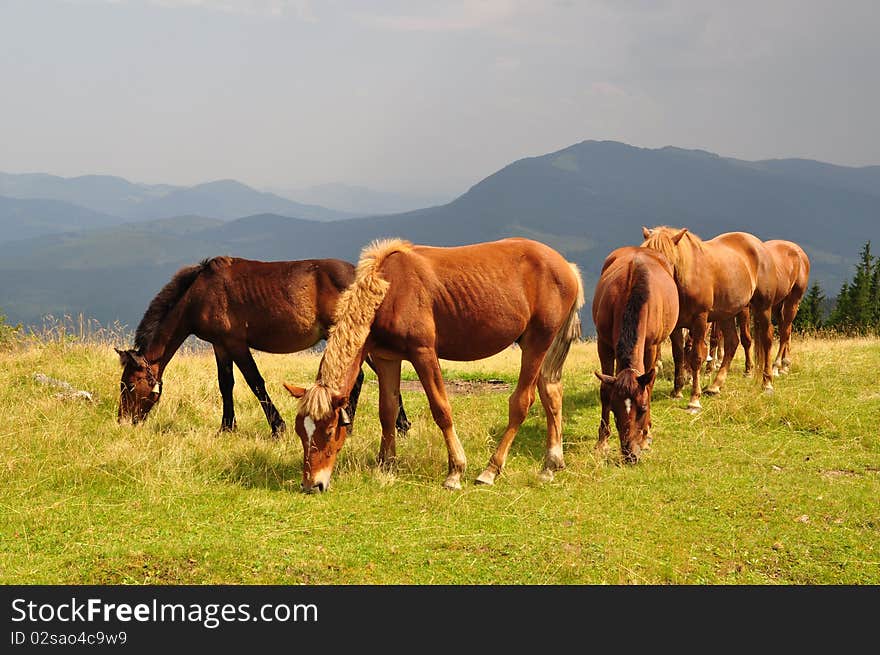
(424, 96)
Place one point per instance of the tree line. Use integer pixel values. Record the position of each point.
(857, 306)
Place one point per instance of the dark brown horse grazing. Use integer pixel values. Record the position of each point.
(235, 305)
(792, 278)
(716, 280)
(635, 308)
(420, 303)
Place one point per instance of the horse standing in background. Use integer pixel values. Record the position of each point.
(635, 308)
(421, 303)
(716, 280)
(792, 279)
(235, 305)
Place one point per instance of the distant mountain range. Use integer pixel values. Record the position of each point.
(61, 203)
(584, 200)
(361, 200)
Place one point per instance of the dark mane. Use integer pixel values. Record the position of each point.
(164, 301)
(638, 295)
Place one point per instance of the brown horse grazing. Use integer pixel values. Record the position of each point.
(716, 279)
(635, 308)
(421, 303)
(234, 304)
(792, 278)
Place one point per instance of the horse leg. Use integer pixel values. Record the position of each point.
(745, 336)
(652, 354)
(731, 342)
(428, 369)
(677, 339)
(777, 361)
(551, 399)
(248, 367)
(353, 397)
(789, 311)
(606, 358)
(764, 342)
(388, 372)
(713, 347)
(226, 380)
(518, 407)
(698, 356)
(403, 423)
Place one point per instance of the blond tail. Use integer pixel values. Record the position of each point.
(570, 332)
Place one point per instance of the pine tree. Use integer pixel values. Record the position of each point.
(841, 315)
(809, 316)
(857, 305)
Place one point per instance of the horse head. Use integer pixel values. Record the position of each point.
(140, 387)
(629, 395)
(322, 424)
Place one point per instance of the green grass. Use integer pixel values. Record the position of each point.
(757, 489)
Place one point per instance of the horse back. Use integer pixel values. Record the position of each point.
(628, 273)
(280, 306)
(792, 268)
(473, 299)
(744, 271)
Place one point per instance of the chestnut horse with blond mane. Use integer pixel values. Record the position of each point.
(420, 303)
(716, 280)
(635, 308)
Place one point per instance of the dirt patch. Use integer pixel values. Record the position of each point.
(839, 473)
(491, 385)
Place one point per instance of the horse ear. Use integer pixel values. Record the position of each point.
(645, 232)
(344, 419)
(678, 236)
(647, 378)
(126, 356)
(295, 391)
(604, 379)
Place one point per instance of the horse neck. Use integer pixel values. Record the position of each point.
(169, 336)
(343, 382)
(633, 355)
(630, 350)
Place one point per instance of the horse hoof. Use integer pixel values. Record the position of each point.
(693, 408)
(487, 477)
(768, 390)
(677, 395)
(546, 475)
(712, 391)
(452, 482)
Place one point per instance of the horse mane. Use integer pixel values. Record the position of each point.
(681, 258)
(354, 314)
(638, 295)
(165, 301)
(626, 383)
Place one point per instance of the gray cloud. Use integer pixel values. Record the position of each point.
(424, 96)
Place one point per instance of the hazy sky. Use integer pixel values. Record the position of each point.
(424, 97)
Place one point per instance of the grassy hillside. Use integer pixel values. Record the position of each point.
(757, 489)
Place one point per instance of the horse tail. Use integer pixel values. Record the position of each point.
(551, 369)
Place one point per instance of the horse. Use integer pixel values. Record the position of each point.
(420, 303)
(235, 305)
(716, 280)
(635, 308)
(792, 278)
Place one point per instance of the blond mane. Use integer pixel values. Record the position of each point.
(355, 311)
(680, 255)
